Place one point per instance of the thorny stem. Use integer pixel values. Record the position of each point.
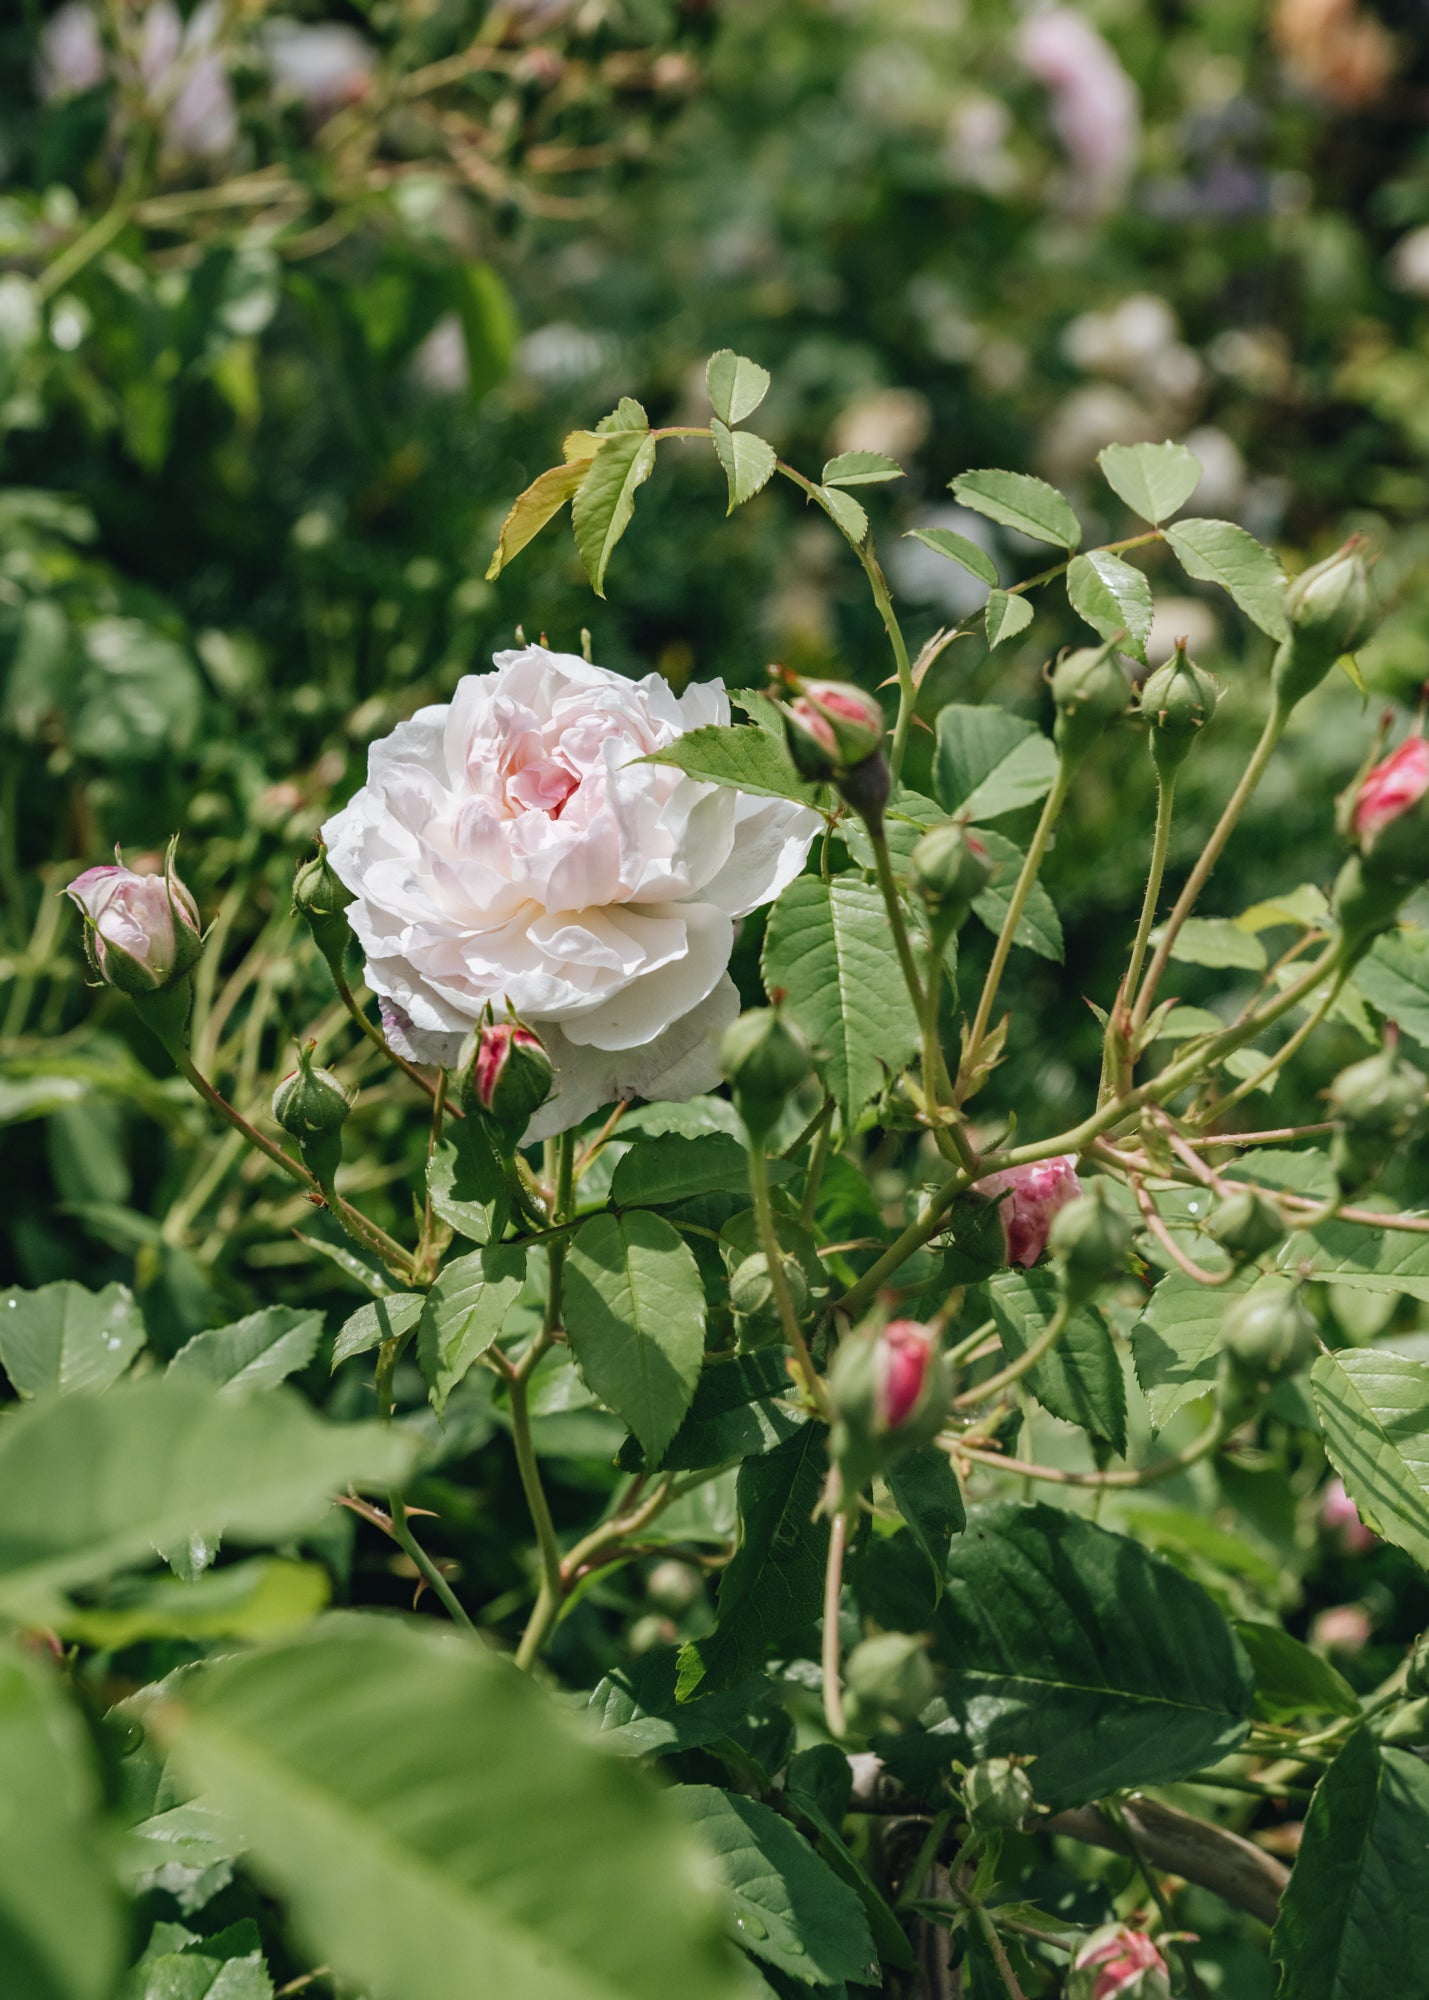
(1027, 875)
(1160, 843)
(778, 1278)
(995, 1945)
(1125, 1476)
(379, 1041)
(833, 1592)
(428, 1570)
(1210, 854)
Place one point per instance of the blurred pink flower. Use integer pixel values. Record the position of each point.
(1096, 108)
(1344, 1628)
(1392, 787)
(1340, 1517)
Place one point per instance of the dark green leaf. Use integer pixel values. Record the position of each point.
(786, 1905)
(254, 1353)
(958, 549)
(747, 460)
(773, 1586)
(1352, 1924)
(605, 500)
(635, 1319)
(464, 1313)
(1019, 501)
(990, 762)
(1067, 1644)
(818, 1785)
(1155, 480)
(658, 1171)
(1374, 1410)
(1114, 598)
(1219, 552)
(383, 1320)
(736, 387)
(638, 1713)
(415, 1801)
(926, 1493)
(1080, 1381)
(64, 1337)
(740, 1409)
(1290, 1680)
(828, 946)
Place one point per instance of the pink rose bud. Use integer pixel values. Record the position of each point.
(1340, 1517)
(833, 727)
(510, 1078)
(1031, 1196)
(1119, 1964)
(142, 931)
(906, 1349)
(1391, 789)
(1344, 1628)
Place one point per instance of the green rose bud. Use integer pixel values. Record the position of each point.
(1246, 1224)
(1089, 1241)
(1331, 610)
(1376, 1104)
(997, 1794)
(890, 1674)
(1269, 1333)
(1090, 690)
(321, 900)
(948, 870)
(765, 1058)
(752, 1299)
(1178, 701)
(312, 1105)
(1416, 1679)
(507, 1081)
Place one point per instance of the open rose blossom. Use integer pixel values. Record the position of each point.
(1119, 1964)
(510, 848)
(1392, 788)
(1031, 1196)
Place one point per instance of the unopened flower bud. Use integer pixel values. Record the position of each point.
(142, 932)
(765, 1058)
(1089, 1240)
(1247, 1224)
(1117, 1963)
(1269, 1333)
(312, 1105)
(890, 1674)
(320, 899)
(997, 1794)
(1389, 817)
(1028, 1199)
(507, 1081)
(1416, 1679)
(752, 1299)
(1178, 701)
(1364, 903)
(1331, 610)
(1090, 690)
(832, 726)
(948, 870)
(889, 1389)
(1376, 1104)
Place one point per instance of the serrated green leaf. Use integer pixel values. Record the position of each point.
(1394, 977)
(656, 1172)
(371, 1324)
(180, 1965)
(1349, 1928)
(425, 1871)
(628, 415)
(1217, 942)
(1114, 598)
(1073, 1647)
(1080, 1381)
(635, 1319)
(957, 548)
(747, 460)
(827, 945)
(747, 757)
(90, 1485)
(1373, 1408)
(736, 386)
(1176, 1342)
(254, 1353)
(926, 1493)
(818, 1784)
(1039, 928)
(1303, 907)
(860, 468)
(1005, 616)
(542, 500)
(605, 499)
(988, 762)
(1290, 1680)
(740, 1409)
(1219, 552)
(1362, 1257)
(786, 1905)
(774, 1584)
(467, 1185)
(636, 1710)
(845, 513)
(463, 1314)
(62, 1931)
(1155, 480)
(64, 1337)
(1019, 501)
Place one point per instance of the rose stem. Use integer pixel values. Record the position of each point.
(773, 1257)
(387, 1359)
(548, 1597)
(833, 1592)
(1022, 889)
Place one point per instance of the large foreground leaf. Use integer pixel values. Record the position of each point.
(93, 1484)
(1354, 1921)
(1374, 1411)
(635, 1318)
(828, 946)
(1073, 1646)
(60, 1926)
(435, 1826)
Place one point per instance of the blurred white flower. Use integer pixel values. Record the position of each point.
(1096, 108)
(441, 363)
(180, 63)
(509, 848)
(892, 421)
(325, 65)
(1409, 262)
(72, 55)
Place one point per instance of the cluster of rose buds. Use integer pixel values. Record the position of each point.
(1117, 1963)
(835, 733)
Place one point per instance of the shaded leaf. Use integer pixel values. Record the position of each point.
(926, 1493)
(1176, 1342)
(635, 1319)
(656, 1172)
(957, 548)
(1080, 1381)
(844, 511)
(1290, 1680)
(1394, 977)
(254, 1353)
(383, 1320)
(740, 1409)
(989, 762)
(463, 1315)
(64, 1337)
(1039, 929)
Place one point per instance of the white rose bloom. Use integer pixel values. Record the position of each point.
(508, 848)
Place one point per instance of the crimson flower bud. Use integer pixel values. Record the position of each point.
(889, 1390)
(508, 1081)
(1027, 1200)
(834, 725)
(1388, 816)
(1178, 701)
(1331, 610)
(1340, 1518)
(142, 932)
(1117, 1963)
(1090, 690)
(906, 1350)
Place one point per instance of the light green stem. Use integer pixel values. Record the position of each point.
(427, 1569)
(1160, 842)
(983, 1392)
(778, 1278)
(833, 1592)
(1022, 889)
